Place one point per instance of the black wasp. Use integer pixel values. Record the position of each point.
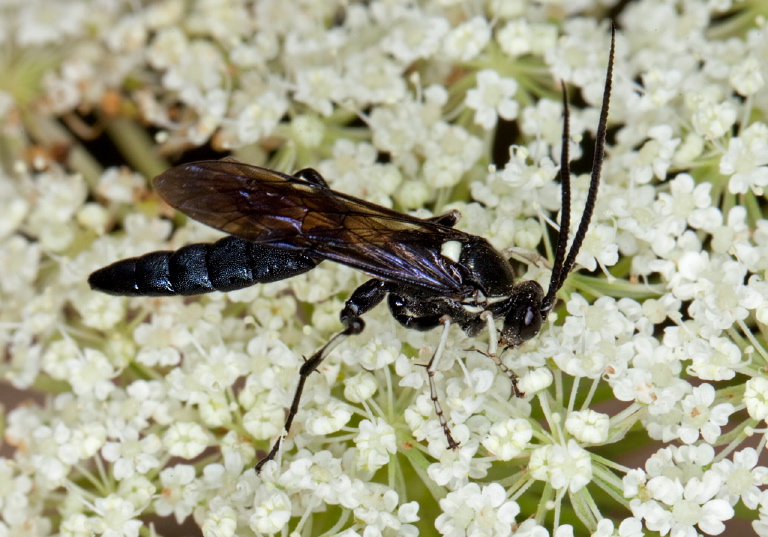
(281, 225)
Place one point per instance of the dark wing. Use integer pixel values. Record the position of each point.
(265, 206)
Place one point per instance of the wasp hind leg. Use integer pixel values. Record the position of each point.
(365, 297)
(310, 365)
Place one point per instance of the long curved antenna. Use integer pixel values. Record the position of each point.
(557, 278)
(562, 268)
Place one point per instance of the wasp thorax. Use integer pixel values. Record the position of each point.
(487, 269)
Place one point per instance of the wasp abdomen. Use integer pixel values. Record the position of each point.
(225, 265)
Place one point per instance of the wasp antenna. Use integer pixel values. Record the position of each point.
(557, 277)
(560, 270)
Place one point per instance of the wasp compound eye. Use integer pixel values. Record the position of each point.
(530, 323)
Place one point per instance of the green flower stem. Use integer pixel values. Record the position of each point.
(136, 146)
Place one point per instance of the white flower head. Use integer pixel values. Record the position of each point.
(271, 512)
(742, 477)
(508, 439)
(472, 510)
(375, 442)
(467, 40)
(747, 76)
(588, 426)
(700, 416)
(414, 38)
(567, 466)
(492, 98)
(329, 418)
(396, 103)
(360, 387)
(756, 398)
(186, 439)
(713, 119)
(456, 466)
(131, 454)
(746, 160)
(220, 520)
(680, 492)
(177, 498)
(116, 517)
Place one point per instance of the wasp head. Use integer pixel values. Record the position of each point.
(525, 314)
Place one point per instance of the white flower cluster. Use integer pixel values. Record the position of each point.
(143, 408)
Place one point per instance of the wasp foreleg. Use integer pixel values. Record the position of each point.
(493, 347)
